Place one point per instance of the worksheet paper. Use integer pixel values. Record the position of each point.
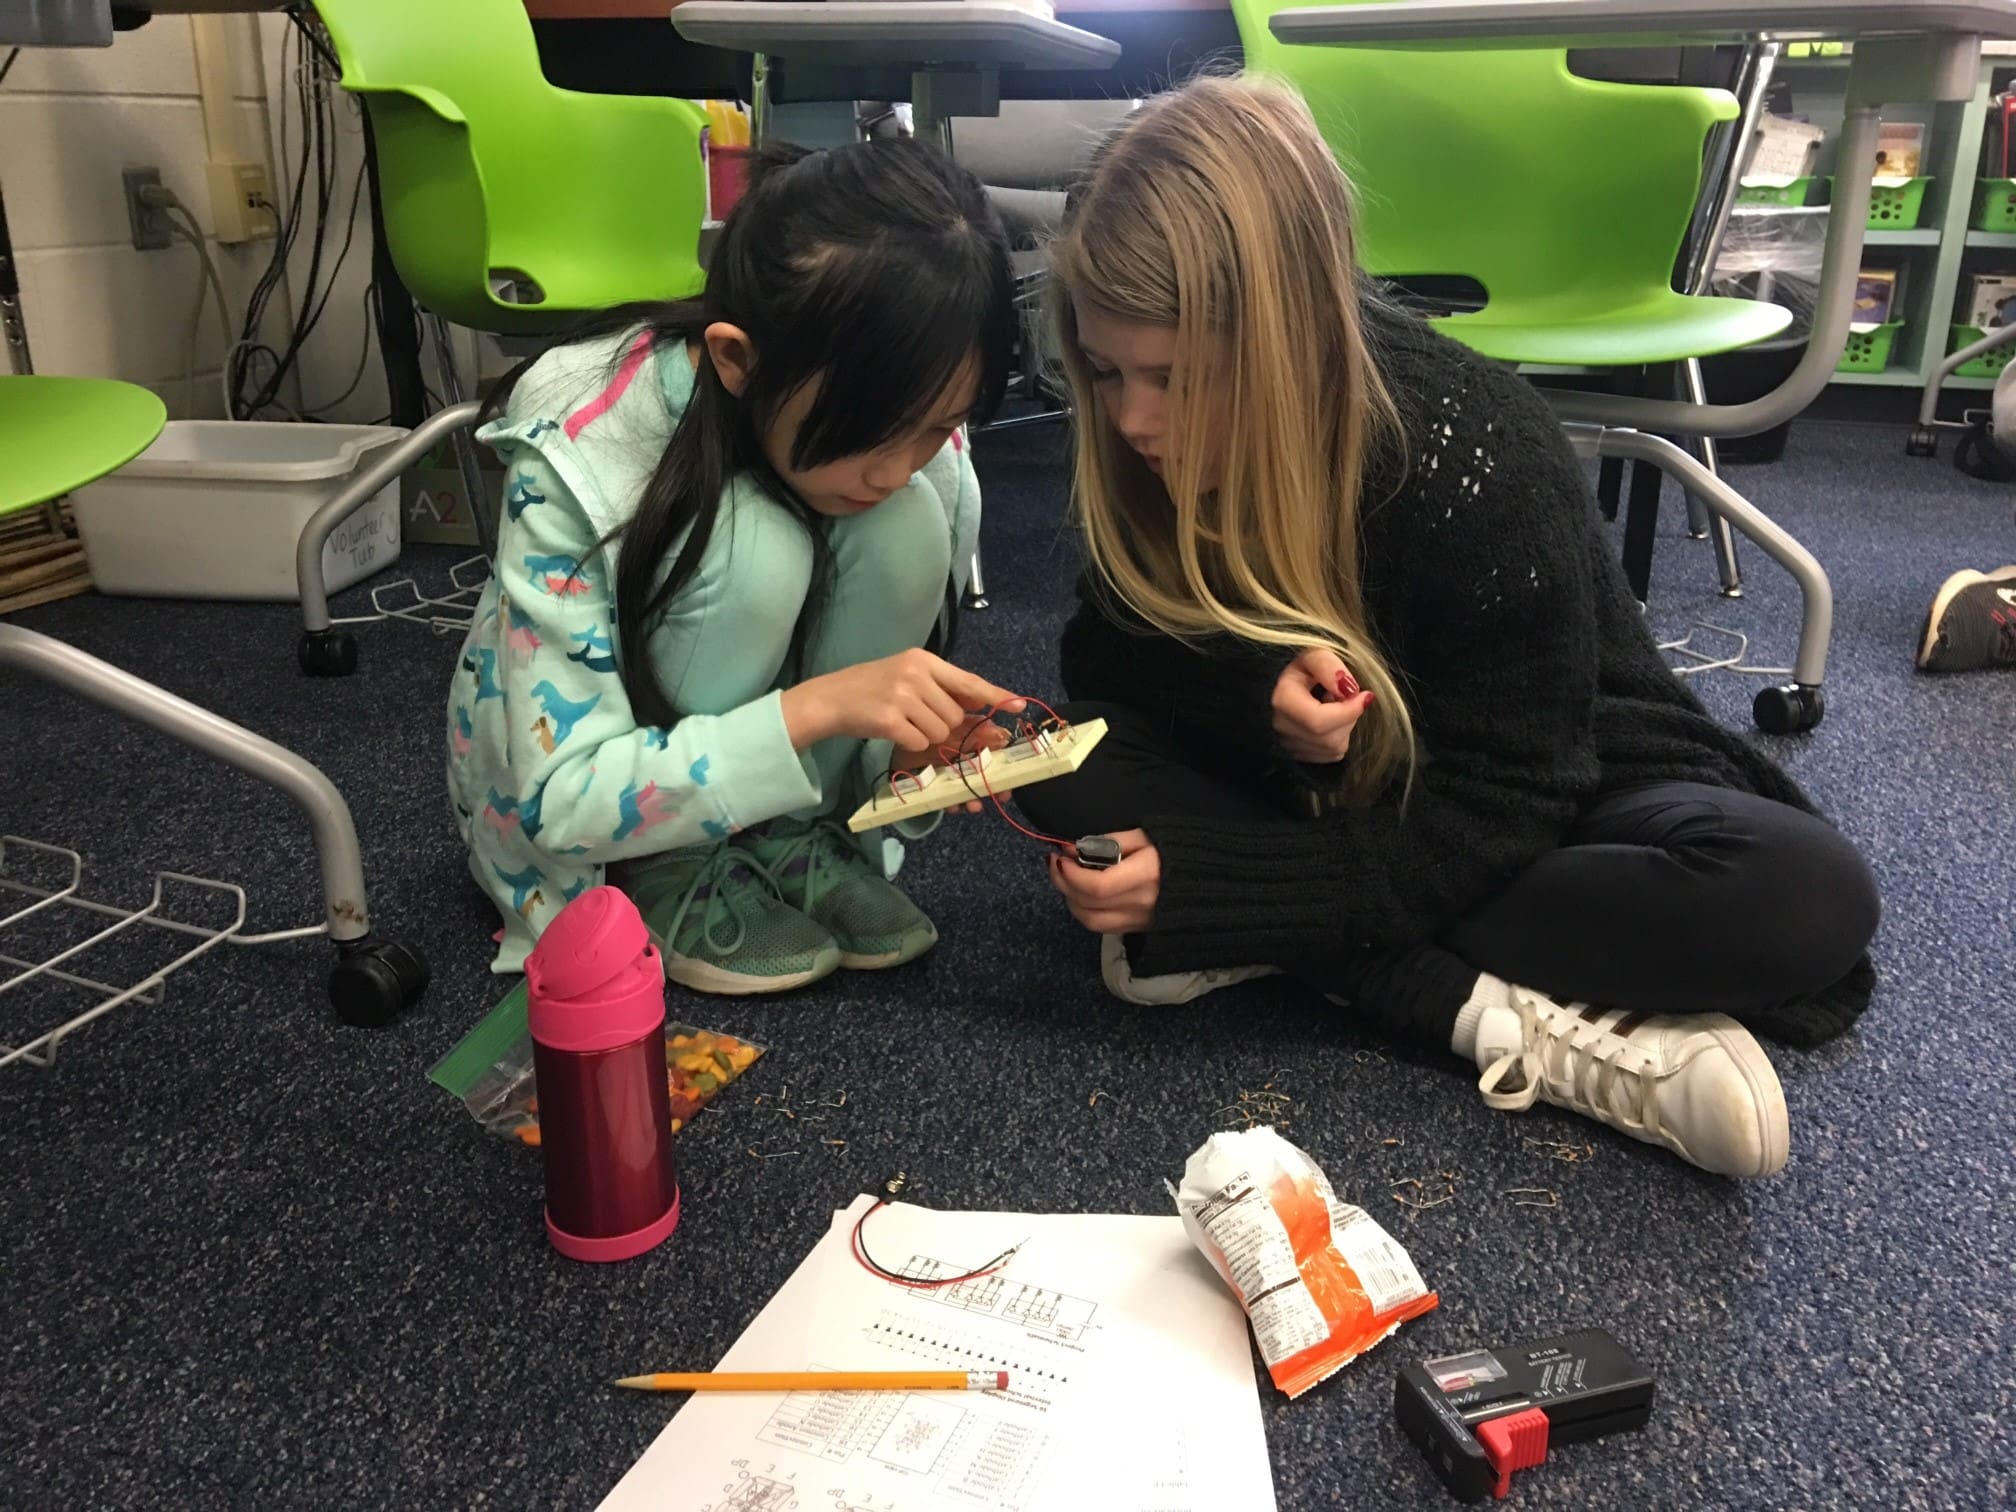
(1131, 1383)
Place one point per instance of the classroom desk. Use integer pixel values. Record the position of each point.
(949, 57)
(1471, 24)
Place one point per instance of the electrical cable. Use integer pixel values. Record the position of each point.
(181, 223)
(859, 1246)
(313, 78)
(8, 67)
(1056, 726)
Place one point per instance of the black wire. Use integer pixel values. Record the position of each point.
(294, 14)
(861, 1246)
(363, 357)
(283, 248)
(8, 67)
(319, 129)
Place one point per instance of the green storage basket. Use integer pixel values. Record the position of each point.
(1790, 196)
(1994, 205)
(1988, 366)
(1894, 207)
(1869, 351)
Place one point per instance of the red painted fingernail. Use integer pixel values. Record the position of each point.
(1371, 699)
(1347, 685)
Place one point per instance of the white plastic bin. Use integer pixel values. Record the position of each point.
(214, 509)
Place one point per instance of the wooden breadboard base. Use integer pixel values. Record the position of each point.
(1019, 765)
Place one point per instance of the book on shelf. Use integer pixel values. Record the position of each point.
(1900, 152)
(1991, 300)
(1784, 148)
(1876, 295)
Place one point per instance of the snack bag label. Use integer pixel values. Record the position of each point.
(1259, 1262)
(1320, 1280)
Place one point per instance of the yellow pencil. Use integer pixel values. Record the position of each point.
(821, 1380)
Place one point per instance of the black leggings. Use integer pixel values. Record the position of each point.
(1665, 897)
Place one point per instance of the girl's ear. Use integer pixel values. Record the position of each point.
(733, 356)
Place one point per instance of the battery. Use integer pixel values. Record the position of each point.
(1481, 1415)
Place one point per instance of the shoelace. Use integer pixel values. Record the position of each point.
(822, 842)
(737, 885)
(1582, 1065)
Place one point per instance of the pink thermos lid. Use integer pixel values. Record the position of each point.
(594, 981)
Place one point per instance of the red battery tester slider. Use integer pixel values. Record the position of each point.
(1482, 1416)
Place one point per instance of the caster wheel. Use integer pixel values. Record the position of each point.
(374, 981)
(1788, 710)
(328, 653)
(1922, 442)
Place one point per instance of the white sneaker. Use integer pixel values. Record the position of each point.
(1698, 1084)
(1166, 991)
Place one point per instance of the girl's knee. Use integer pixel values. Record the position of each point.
(1820, 899)
(897, 556)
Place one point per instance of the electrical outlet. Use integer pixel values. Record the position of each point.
(150, 224)
(241, 199)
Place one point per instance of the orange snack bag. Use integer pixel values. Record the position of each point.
(1320, 1280)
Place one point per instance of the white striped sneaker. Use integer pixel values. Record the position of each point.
(1698, 1084)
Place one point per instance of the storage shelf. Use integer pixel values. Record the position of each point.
(1891, 377)
(1968, 383)
(1922, 236)
(1991, 238)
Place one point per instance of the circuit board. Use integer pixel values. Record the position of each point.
(1037, 757)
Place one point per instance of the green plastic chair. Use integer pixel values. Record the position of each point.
(1566, 198)
(488, 173)
(56, 435)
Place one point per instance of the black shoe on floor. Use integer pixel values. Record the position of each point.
(1972, 623)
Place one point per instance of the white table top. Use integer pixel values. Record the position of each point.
(893, 33)
(1627, 23)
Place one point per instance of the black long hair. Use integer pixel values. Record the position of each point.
(878, 269)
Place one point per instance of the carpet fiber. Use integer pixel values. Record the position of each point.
(252, 1257)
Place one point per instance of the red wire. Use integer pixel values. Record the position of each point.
(988, 783)
(867, 1262)
(957, 756)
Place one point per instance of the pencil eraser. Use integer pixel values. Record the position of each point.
(1000, 1380)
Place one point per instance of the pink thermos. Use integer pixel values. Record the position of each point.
(595, 1000)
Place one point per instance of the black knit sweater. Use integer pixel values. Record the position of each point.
(1529, 672)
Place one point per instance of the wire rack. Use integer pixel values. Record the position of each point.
(48, 941)
(449, 613)
(1731, 647)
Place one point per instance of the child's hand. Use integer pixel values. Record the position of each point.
(913, 699)
(1316, 703)
(991, 737)
(1119, 900)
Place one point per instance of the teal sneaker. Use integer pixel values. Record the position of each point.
(717, 916)
(820, 872)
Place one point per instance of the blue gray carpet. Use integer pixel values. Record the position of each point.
(251, 1257)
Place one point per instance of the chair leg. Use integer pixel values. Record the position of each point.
(1704, 522)
(1610, 486)
(465, 444)
(1800, 704)
(325, 652)
(373, 979)
(1641, 524)
(976, 585)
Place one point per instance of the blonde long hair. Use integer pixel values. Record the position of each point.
(1218, 210)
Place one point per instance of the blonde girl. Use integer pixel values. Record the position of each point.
(1383, 711)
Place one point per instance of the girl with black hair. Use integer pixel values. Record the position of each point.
(730, 527)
